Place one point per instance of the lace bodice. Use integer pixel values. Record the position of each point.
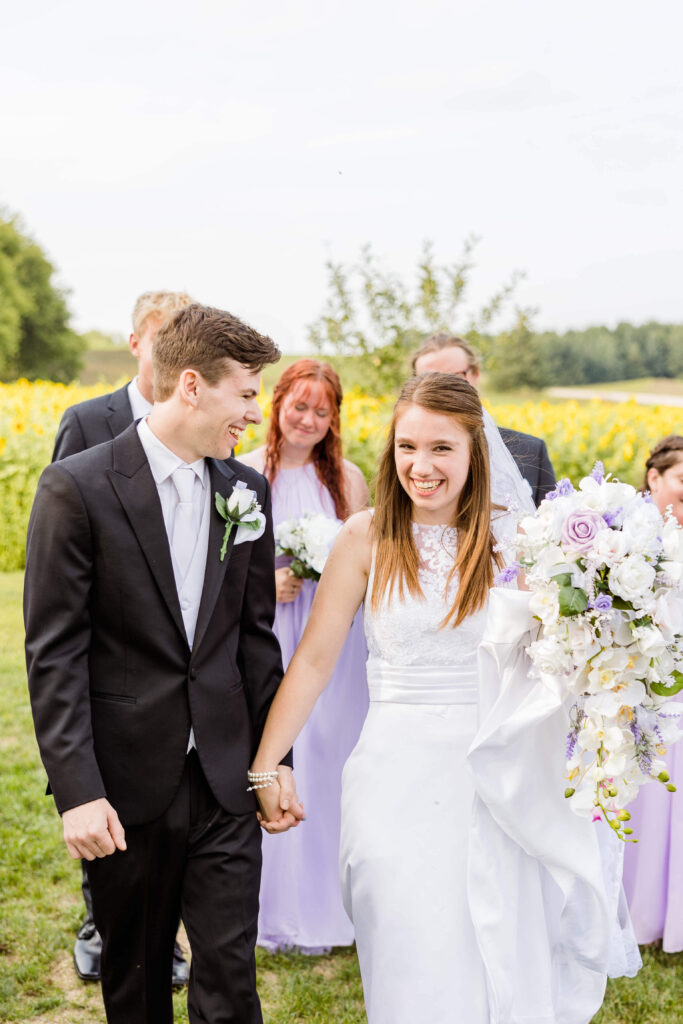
(406, 632)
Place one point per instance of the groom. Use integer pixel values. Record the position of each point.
(152, 665)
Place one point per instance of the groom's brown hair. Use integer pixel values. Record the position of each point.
(205, 339)
(396, 559)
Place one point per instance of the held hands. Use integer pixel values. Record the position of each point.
(93, 830)
(279, 803)
(287, 585)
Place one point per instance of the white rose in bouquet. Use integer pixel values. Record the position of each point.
(672, 540)
(632, 579)
(544, 603)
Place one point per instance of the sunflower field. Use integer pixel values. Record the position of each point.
(577, 433)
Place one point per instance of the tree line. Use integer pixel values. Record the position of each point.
(371, 314)
(524, 358)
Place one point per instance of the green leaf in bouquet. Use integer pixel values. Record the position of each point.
(573, 600)
(303, 571)
(621, 605)
(668, 691)
(563, 579)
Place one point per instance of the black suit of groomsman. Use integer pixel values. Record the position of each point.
(93, 422)
(145, 729)
(447, 353)
(533, 462)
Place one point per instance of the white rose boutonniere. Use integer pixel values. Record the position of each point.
(240, 509)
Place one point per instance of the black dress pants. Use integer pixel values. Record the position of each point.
(199, 861)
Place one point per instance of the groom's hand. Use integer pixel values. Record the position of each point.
(280, 806)
(93, 830)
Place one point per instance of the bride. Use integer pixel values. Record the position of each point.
(476, 895)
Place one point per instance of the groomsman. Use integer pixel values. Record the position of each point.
(83, 426)
(446, 353)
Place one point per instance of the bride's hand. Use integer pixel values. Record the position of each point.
(279, 803)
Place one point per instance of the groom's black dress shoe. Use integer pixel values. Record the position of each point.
(88, 951)
(181, 968)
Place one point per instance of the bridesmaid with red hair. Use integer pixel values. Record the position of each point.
(301, 905)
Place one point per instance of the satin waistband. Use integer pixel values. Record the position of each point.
(423, 684)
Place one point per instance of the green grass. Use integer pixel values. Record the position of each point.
(41, 904)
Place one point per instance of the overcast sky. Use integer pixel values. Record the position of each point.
(230, 148)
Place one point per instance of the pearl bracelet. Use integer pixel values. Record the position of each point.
(261, 780)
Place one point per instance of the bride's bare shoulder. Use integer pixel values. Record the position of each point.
(355, 536)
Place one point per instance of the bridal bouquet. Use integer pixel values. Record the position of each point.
(605, 573)
(307, 541)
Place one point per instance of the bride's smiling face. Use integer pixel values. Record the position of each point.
(432, 456)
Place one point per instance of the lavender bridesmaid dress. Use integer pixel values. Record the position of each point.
(301, 904)
(653, 867)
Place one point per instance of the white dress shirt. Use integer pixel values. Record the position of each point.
(163, 462)
(138, 402)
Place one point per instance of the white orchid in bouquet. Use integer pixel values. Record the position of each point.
(307, 540)
(605, 571)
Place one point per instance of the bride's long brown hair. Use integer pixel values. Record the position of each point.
(396, 557)
(327, 454)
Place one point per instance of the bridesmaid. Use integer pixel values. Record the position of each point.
(301, 904)
(653, 869)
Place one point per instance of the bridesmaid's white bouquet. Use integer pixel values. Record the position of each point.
(605, 573)
(307, 540)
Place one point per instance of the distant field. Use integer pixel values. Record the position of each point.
(643, 386)
(113, 365)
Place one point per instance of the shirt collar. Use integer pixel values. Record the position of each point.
(138, 403)
(162, 461)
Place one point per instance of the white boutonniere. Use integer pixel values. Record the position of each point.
(240, 509)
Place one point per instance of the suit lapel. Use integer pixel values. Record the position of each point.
(222, 479)
(134, 484)
(120, 413)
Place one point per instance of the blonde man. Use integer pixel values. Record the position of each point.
(101, 419)
(83, 426)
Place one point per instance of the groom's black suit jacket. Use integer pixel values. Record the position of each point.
(114, 685)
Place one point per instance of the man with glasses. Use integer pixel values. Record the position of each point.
(446, 353)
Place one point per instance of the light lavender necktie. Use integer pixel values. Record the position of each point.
(184, 532)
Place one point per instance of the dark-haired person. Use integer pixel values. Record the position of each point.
(447, 353)
(475, 893)
(301, 904)
(653, 868)
(151, 666)
(83, 426)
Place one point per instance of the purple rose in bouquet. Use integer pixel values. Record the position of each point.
(580, 529)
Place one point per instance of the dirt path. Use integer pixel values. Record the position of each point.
(641, 397)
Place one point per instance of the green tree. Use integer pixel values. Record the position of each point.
(35, 337)
(518, 357)
(370, 312)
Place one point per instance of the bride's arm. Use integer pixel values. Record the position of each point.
(339, 594)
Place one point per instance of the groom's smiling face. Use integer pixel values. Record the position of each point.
(225, 409)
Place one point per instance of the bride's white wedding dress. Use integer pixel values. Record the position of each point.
(476, 895)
